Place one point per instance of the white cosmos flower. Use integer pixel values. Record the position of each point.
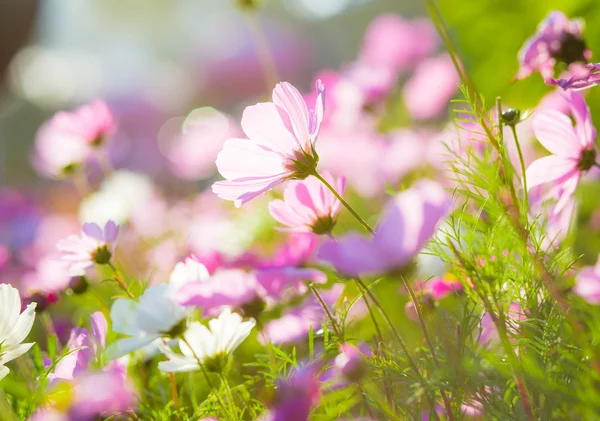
(211, 346)
(155, 315)
(189, 270)
(14, 326)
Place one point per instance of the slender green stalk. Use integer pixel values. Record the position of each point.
(413, 297)
(343, 202)
(522, 163)
(371, 312)
(333, 321)
(120, 280)
(206, 376)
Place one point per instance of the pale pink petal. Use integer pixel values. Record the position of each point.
(555, 132)
(93, 230)
(286, 96)
(242, 158)
(547, 169)
(242, 190)
(263, 124)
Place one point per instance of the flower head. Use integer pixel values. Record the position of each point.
(296, 396)
(557, 40)
(308, 205)
(571, 147)
(14, 326)
(409, 221)
(153, 316)
(210, 346)
(68, 139)
(93, 246)
(351, 362)
(280, 145)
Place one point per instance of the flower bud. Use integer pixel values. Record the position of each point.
(510, 117)
(78, 284)
(351, 363)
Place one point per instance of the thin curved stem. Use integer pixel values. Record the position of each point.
(343, 202)
(334, 323)
(120, 280)
(522, 163)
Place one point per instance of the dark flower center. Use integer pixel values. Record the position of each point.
(216, 363)
(101, 255)
(587, 159)
(323, 225)
(572, 49)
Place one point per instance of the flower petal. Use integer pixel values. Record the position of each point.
(548, 168)
(555, 132)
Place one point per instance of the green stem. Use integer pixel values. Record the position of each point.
(522, 163)
(120, 280)
(411, 362)
(343, 202)
(206, 376)
(371, 312)
(334, 323)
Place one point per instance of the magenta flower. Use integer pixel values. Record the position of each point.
(587, 284)
(579, 77)
(281, 145)
(409, 221)
(571, 147)
(296, 396)
(68, 139)
(93, 246)
(557, 40)
(308, 205)
(442, 286)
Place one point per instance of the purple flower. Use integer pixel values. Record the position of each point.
(557, 40)
(93, 246)
(296, 396)
(351, 362)
(587, 283)
(580, 77)
(409, 221)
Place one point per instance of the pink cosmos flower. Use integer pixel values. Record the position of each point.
(579, 77)
(409, 221)
(587, 283)
(572, 149)
(442, 286)
(83, 349)
(308, 205)
(281, 145)
(276, 281)
(428, 91)
(68, 139)
(93, 246)
(558, 40)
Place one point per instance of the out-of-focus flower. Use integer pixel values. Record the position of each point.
(572, 150)
(427, 93)
(210, 346)
(351, 363)
(308, 205)
(557, 40)
(587, 283)
(190, 270)
(103, 394)
(153, 316)
(50, 275)
(277, 280)
(579, 77)
(296, 396)
(442, 286)
(225, 288)
(295, 323)
(281, 145)
(118, 197)
(395, 43)
(93, 246)
(192, 154)
(14, 326)
(83, 348)
(68, 139)
(408, 222)
(488, 333)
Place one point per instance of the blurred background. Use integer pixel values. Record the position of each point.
(152, 62)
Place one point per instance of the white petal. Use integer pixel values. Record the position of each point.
(10, 307)
(127, 345)
(123, 314)
(23, 326)
(3, 371)
(173, 367)
(14, 352)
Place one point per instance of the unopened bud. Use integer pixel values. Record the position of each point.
(511, 117)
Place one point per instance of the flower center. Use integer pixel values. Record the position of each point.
(572, 49)
(303, 164)
(216, 363)
(587, 159)
(101, 255)
(323, 225)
